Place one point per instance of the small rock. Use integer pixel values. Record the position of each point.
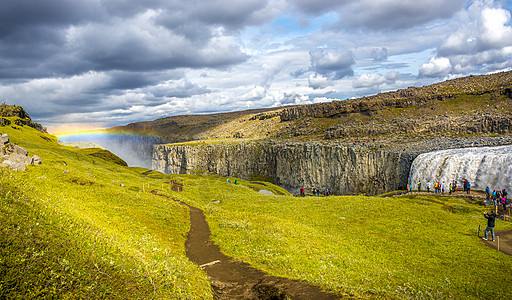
(36, 160)
(4, 139)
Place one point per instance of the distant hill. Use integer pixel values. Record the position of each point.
(473, 105)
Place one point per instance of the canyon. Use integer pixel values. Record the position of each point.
(364, 145)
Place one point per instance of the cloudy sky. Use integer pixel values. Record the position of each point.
(102, 63)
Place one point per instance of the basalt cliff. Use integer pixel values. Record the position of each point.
(363, 145)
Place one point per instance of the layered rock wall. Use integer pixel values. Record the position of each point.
(343, 170)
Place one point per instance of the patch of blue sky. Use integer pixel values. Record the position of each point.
(286, 28)
(407, 63)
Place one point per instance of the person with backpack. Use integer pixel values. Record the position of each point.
(490, 224)
(487, 193)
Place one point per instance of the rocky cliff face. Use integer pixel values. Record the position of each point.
(343, 170)
(369, 168)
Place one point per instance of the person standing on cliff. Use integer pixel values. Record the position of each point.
(490, 224)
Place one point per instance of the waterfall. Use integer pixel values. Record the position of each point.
(483, 166)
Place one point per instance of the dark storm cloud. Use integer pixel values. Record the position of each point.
(63, 37)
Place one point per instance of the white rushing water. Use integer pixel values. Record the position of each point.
(485, 166)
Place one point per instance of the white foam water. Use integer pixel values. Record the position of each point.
(484, 166)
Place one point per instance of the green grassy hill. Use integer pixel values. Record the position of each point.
(82, 226)
(79, 226)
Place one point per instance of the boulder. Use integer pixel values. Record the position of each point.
(16, 157)
(20, 150)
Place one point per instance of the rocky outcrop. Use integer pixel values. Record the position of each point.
(477, 123)
(21, 114)
(495, 85)
(15, 157)
(343, 170)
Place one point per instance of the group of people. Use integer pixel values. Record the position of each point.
(440, 187)
(498, 197)
(315, 191)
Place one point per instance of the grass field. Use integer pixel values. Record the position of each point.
(370, 247)
(81, 226)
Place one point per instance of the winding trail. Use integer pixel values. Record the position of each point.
(232, 279)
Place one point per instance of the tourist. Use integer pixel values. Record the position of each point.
(419, 185)
(451, 188)
(229, 181)
(428, 186)
(504, 201)
(407, 187)
(468, 186)
(442, 188)
(487, 193)
(490, 224)
(302, 192)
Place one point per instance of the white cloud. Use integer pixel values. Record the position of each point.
(494, 31)
(375, 79)
(437, 66)
(318, 81)
(256, 93)
(480, 43)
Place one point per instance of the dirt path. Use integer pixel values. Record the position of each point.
(505, 240)
(237, 280)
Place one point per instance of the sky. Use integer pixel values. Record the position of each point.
(76, 65)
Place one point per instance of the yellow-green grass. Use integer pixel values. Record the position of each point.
(370, 247)
(80, 226)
